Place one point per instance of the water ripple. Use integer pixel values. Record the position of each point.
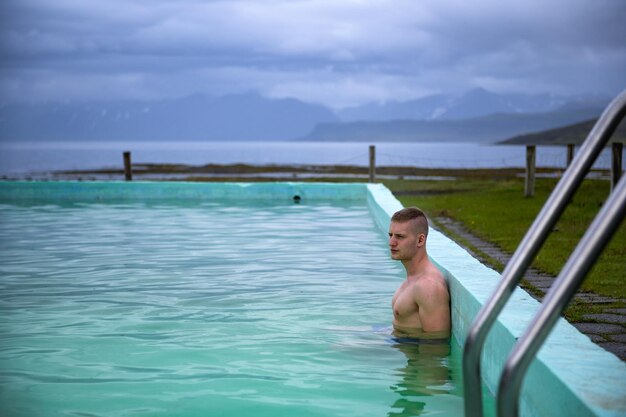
(198, 309)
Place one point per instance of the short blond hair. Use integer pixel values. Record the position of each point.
(412, 213)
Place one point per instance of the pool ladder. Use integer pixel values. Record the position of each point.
(563, 289)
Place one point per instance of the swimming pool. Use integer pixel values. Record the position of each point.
(139, 299)
(193, 307)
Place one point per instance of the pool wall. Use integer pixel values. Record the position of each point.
(149, 190)
(570, 376)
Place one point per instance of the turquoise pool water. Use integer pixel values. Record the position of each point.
(207, 309)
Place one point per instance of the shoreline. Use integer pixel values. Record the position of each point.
(286, 172)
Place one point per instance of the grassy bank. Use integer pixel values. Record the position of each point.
(497, 211)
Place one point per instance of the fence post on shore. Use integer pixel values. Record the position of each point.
(372, 163)
(529, 185)
(128, 168)
(570, 154)
(616, 163)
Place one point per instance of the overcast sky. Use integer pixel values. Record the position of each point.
(338, 53)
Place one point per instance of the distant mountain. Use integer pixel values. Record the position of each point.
(474, 103)
(575, 134)
(490, 128)
(193, 118)
(425, 108)
(477, 115)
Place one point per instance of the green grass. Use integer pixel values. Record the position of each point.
(497, 211)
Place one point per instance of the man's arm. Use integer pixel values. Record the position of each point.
(434, 306)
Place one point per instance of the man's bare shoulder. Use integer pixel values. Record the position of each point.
(431, 285)
(431, 275)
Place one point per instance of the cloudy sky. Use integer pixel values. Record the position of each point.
(335, 52)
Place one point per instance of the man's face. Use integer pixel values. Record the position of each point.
(403, 240)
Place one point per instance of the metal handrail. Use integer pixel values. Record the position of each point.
(529, 247)
(572, 275)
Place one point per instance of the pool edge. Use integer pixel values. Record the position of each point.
(180, 190)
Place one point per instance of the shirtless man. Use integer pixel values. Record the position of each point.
(421, 306)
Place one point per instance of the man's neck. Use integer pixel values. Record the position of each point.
(415, 265)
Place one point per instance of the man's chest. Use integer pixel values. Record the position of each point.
(403, 302)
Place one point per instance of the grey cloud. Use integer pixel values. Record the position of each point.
(335, 52)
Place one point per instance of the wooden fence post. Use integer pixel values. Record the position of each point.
(529, 185)
(570, 154)
(128, 168)
(616, 163)
(372, 163)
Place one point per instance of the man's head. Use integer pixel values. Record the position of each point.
(407, 233)
(415, 216)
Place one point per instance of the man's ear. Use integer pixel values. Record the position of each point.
(421, 239)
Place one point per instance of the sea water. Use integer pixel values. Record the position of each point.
(31, 158)
(207, 309)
